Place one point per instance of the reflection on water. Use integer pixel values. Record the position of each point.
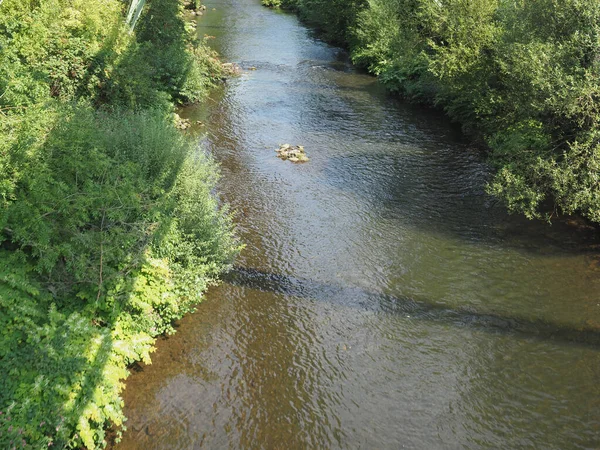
(383, 300)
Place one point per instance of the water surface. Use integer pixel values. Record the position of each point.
(383, 300)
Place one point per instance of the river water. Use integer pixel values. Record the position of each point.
(382, 300)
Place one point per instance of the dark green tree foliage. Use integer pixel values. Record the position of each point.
(108, 227)
(521, 76)
(333, 19)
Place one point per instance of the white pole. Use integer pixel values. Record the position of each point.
(135, 9)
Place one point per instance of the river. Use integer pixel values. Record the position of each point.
(383, 300)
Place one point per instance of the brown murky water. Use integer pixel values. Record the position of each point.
(383, 300)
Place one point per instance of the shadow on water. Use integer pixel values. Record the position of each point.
(412, 308)
(452, 202)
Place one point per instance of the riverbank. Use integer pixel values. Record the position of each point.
(110, 230)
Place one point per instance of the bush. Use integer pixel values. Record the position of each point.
(115, 232)
(109, 229)
(286, 4)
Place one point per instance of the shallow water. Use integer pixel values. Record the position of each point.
(383, 300)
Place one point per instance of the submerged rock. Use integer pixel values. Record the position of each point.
(293, 153)
(181, 123)
(231, 69)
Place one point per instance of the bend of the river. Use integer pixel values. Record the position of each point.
(383, 300)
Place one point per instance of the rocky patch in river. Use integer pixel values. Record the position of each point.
(293, 153)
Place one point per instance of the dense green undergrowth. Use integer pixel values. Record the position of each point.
(109, 229)
(523, 77)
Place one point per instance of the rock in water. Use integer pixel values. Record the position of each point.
(293, 153)
(181, 123)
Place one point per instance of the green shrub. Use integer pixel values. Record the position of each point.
(109, 228)
(114, 230)
(55, 48)
(285, 4)
(101, 185)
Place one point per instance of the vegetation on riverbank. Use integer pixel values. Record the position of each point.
(520, 76)
(109, 229)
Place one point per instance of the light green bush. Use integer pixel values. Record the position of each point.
(109, 227)
(115, 231)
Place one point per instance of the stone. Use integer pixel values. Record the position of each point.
(231, 69)
(293, 153)
(181, 123)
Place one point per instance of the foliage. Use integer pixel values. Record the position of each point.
(75, 49)
(333, 18)
(109, 228)
(286, 4)
(63, 375)
(54, 48)
(116, 232)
